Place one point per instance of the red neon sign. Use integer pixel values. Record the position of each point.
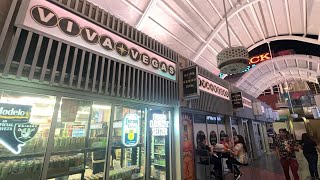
(260, 58)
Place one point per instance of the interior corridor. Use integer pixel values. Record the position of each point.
(268, 167)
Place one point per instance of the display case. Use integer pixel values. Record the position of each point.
(25, 121)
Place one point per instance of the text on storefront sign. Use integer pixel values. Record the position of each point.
(159, 125)
(43, 17)
(213, 88)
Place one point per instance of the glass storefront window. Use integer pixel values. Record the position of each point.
(128, 144)
(25, 121)
(159, 144)
(80, 140)
(98, 140)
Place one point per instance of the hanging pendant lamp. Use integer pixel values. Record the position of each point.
(232, 60)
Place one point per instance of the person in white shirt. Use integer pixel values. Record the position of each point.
(238, 156)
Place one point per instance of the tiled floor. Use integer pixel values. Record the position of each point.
(268, 167)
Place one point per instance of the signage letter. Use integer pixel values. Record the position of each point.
(254, 60)
(264, 57)
(43, 17)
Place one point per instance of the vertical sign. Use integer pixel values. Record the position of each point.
(190, 82)
(130, 130)
(236, 99)
(188, 154)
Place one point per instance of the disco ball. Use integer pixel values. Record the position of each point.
(233, 60)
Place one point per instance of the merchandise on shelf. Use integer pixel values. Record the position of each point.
(68, 143)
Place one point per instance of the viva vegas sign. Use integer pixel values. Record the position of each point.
(46, 18)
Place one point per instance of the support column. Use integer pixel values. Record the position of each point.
(177, 161)
(228, 124)
(265, 137)
(255, 149)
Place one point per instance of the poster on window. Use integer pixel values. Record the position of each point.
(69, 110)
(188, 154)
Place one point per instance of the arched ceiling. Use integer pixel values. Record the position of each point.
(196, 28)
(279, 70)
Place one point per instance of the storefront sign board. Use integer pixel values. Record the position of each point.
(49, 19)
(212, 88)
(159, 125)
(236, 99)
(130, 130)
(247, 102)
(190, 83)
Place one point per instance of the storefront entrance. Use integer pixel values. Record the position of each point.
(62, 138)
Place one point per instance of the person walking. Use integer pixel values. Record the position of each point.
(238, 156)
(285, 148)
(311, 154)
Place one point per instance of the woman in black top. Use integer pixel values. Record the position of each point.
(217, 167)
(310, 153)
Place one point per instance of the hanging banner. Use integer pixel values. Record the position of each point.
(15, 112)
(213, 88)
(236, 99)
(188, 148)
(190, 82)
(49, 19)
(130, 130)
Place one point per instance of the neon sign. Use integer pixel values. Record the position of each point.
(15, 129)
(130, 130)
(159, 125)
(260, 58)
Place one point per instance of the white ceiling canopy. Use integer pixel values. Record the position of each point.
(279, 70)
(196, 28)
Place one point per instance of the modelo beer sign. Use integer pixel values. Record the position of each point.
(15, 112)
(213, 88)
(15, 129)
(48, 18)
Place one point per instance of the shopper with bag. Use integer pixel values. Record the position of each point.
(309, 147)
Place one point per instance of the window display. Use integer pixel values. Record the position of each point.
(160, 144)
(128, 144)
(25, 121)
(80, 140)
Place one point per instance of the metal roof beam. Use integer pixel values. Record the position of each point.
(199, 14)
(245, 28)
(285, 37)
(272, 17)
(181, 21)
(305, 28)
(214, 32)
(215, 8)
(286, 3)
(146, 14)
(255, 16)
